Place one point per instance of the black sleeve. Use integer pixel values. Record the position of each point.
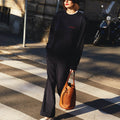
(54, 23)
(77, 52)
(52, 28)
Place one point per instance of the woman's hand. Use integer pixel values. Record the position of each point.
(73, 73)
(72, 70)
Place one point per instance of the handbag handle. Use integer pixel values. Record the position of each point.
(69, 77)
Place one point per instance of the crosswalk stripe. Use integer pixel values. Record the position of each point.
(94, 91)
(8, 113)
(21, 86)
(103, 80)
(24, 66)
(81, 111)
(81, 96)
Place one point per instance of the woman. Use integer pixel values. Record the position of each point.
(64, 50)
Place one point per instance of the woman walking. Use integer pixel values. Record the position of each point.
(64, 50)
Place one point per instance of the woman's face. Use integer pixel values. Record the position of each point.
(68, 4)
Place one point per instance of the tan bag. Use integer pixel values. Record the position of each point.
(68, 94)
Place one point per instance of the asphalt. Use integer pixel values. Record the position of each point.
(100, 64)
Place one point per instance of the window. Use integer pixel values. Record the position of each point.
(4, 15)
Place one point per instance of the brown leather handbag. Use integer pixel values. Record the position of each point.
(68, 94)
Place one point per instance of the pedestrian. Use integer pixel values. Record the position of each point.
(64, 50)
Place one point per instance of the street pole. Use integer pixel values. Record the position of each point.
(58, 3)
(25, 18)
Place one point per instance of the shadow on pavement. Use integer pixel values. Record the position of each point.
(8, 39)
(103, 105)
(99, 63)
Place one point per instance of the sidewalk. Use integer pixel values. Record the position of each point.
(98, 64)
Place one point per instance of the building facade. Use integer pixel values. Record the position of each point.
(40, 14)
(11, 14)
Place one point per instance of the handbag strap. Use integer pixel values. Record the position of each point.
(69, 77)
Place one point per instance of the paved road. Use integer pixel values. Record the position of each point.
(22, 84)
(23, 78)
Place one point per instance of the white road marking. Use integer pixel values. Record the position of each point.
(24, 66)
(81, 111)
(103, 80)
(8, 113)
(94, 91)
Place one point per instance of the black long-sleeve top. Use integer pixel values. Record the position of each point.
(66, 37)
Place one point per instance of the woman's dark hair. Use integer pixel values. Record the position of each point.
(74, 1)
